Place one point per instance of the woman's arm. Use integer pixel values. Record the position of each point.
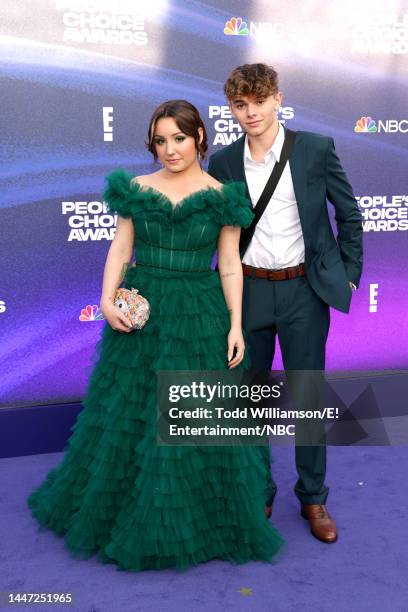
(120, 253)
(230, 271)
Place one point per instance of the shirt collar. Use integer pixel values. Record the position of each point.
(274, 150)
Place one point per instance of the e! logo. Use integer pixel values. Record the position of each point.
(373, 297)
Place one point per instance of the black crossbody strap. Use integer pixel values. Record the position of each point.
(273, 180)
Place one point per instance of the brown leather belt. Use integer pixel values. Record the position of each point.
(282, 274)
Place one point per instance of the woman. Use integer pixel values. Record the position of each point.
(117, 492)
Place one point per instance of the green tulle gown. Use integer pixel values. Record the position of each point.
(118, 494)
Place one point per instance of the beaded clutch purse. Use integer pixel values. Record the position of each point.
(134, 305)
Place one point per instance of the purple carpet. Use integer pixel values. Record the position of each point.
(365, 570)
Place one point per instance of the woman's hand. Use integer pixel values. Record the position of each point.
(235, 339)
(115, 317)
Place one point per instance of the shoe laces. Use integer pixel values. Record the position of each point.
(322, 513)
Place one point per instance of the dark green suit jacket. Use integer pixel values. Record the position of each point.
(317, 176)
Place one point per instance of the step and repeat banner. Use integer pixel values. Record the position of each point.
(79, 82)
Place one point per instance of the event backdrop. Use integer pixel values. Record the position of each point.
(79, 81)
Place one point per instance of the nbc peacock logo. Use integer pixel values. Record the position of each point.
(365, 124)
(236, 27)
(91, 313)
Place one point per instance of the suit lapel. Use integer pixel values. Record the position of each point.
(297, 163)
(236, 162)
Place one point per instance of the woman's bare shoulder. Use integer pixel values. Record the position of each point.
(145, 179)
(212, 182)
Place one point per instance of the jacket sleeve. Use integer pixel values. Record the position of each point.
(347, 214)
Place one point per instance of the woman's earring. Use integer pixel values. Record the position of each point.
(199, 156)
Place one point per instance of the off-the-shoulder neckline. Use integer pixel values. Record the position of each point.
(134, 199)
(134, 184)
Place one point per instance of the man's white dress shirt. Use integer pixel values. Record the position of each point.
(278, 239)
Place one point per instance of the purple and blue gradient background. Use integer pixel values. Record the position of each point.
(53, 150)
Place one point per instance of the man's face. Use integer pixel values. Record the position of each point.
(256, 115)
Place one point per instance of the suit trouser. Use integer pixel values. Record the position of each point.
(292, 310)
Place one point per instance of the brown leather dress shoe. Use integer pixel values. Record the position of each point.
(322, 526)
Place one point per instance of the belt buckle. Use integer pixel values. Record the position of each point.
(270, 274)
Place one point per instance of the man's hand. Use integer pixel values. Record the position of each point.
(352, 286)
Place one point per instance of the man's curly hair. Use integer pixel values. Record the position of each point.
(257, 80)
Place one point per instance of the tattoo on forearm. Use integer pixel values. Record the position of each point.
(228, 274)
(124, 270)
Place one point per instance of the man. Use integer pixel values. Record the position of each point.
(293, 236)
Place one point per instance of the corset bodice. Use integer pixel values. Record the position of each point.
(180, 237)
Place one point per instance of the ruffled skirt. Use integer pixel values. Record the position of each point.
(140, 505)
